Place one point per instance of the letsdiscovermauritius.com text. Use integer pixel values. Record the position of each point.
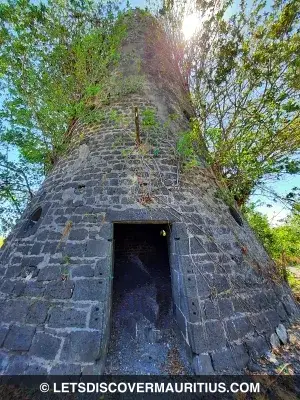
(156, 387)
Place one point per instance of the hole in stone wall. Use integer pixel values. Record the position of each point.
(187, 115)
(81, 186)
(31, 225)
(36, 215)
(236, 216)
(143, 327)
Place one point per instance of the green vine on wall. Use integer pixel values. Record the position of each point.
(190, 146)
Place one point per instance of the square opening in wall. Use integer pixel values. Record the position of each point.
(143, 330)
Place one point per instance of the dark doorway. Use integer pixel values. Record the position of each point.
(143, 335)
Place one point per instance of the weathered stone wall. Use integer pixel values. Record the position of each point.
(57, 272)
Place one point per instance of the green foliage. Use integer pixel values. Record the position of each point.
(282, 242)
(66, 260)
(243, 74)
(149, 118)
(288, 239)
(54, 63)
(18, 181)
(294, 283)
(190, 147)
(260, 224)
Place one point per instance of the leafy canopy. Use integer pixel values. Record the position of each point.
(54, 58)
(280, 241)
(243, 73)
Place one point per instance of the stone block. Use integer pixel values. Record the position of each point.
(82, 346)
(261, 301)
(231, 331)
(14, 311)
(240, 304)
(184, 264)
(97, 317)
(257, 346)
(54, 236)
(207, 267)
(13, 271)
(223, 360)
(197, 338)
(240, 355)
(273, 318)
(181, 321)
(31, 261)
(197, 219)
(29, 272)
(34, 289)
(61, 317)
(212, 247)
(225, 307)
(7, 286)
(75, 250)
(65, 369)
(195, 230)
(281, 312)
(16, 365)
(182, 247)
(95, 369)
(106, 231)
(210, 309)
(261, 323)
(243, 326)
(36, 370)
(215, 335)
(45, 346)
(37, 312)
(78, 234)
(60, 290)
(230, 359)
(104, 267)
(274, 340)
(204, 290)
(196, 246)
(37, 248)
(4, 360)
(202, 365)
(193, 313)
(19, 289)
(19, 338)
(3, 333)
(84, 270)
(52, 247)
(97, 248)
(90, 289)
(282, 333)
(179, 230)
(189, 284)
(50, 273)
(221, 283)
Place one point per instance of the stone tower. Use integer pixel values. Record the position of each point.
(57, 264)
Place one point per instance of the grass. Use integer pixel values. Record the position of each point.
(294, 283)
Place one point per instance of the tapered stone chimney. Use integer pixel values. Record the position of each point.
(57, 267)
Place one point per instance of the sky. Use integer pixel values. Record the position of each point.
(277, 212)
